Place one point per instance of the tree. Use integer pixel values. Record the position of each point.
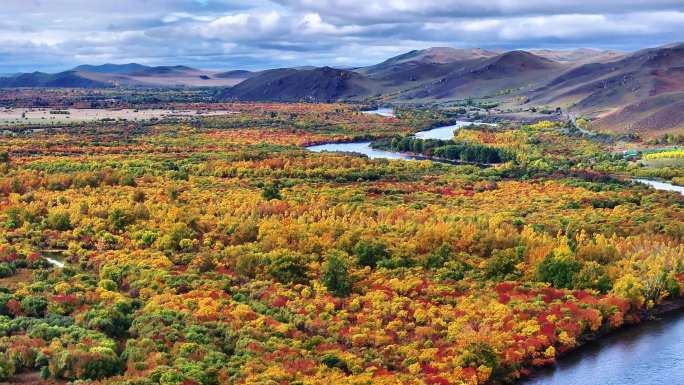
(502, 265)
(336, 276)
(593, 276)
(119, 218)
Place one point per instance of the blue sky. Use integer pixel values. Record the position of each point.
(53, 35)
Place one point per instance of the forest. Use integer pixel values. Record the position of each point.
(218, 250)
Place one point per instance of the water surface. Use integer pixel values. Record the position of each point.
(361, 148)
(445, 132)
(651, 353)
(386, 112)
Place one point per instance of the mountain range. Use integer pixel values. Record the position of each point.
(627, 92)
(125, 75)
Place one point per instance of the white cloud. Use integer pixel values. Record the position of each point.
(56, 34)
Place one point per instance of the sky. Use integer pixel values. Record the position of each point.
(55, 35)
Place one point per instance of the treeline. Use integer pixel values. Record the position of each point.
(447, 149)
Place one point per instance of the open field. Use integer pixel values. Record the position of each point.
(32, 116)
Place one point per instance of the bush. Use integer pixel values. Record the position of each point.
(34, 306)
(178, 233)
(271, 192)
(6, 270)
(503, 264)
(593, 276)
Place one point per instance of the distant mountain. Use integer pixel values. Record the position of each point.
(164, 71)
(418, 67)
(112, 68)
(68, 79)
(323, 84)
(121, 75)
(438, 55)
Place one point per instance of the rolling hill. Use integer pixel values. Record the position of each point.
(643, 91)
(323, 84)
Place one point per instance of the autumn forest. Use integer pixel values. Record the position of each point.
(216, 249)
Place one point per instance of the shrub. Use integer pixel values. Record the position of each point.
(502, 265)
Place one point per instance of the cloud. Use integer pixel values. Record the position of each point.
(58, 34)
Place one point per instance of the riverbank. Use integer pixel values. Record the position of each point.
(593, 343)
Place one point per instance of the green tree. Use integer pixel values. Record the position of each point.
(593, 276)
(288, 268)
(503, 264)
(59, 221)
(34, 306)
(368, 253)
(271, 191)
(558, 271)
(336, 277)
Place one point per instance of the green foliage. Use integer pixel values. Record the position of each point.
(368, 253)
(14, 218)
(271, 191)
(120, 218)
(6, 270)
(177, 238)
(503, 265)
(333, 361)
(593, 276)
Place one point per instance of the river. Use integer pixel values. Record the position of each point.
(386, 112)
(661, 185)
(443, 133)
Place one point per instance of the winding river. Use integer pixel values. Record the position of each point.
(443, 133)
